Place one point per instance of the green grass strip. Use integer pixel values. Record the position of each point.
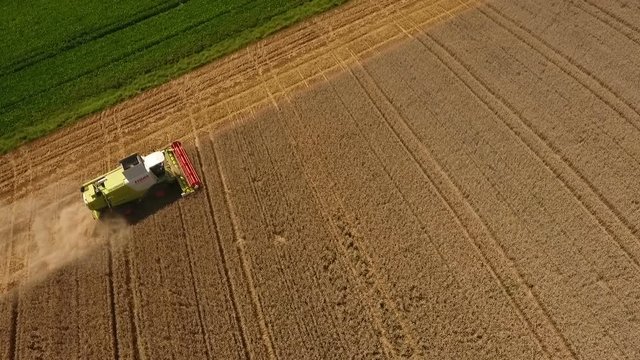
(85, 57)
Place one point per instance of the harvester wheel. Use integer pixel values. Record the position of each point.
(160, 193)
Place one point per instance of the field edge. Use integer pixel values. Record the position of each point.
(78, 111)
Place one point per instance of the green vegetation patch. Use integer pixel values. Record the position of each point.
(62, 60)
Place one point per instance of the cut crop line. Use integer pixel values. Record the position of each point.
(448, 203)
(66, 150)
(389, 175)
(223, 257)
(258, 198)
(406, 328)
(603, 226)
(322, 49)
(159, 110)
(544, 209)
(162, 126)
(15, 278)
(148, 100)
(164, 287)
(208, 80)
(267, 219)
(603, 16)
(9, 242)
(105, 135)
(581, 253)
(6, 172)
(13, 327)
(246, 267)
(63, 143)
(120, 136)
(235, 94)
(621, 218)
(313, 269)
(189, 105)
(132, 304)
(244, 148)
(613, 16)
(154, 125)
(32, 213)
(130, 281)
(112, 303)
(374, 16)
(544, 143)
(187, 244)
(324, 209)
(281, 54)
(263, 83)
(76, 307)
(236, 73)
(233, 113)
(402, 6)
(484, 226)
(158, 132)
(600, 89)
(154, 106)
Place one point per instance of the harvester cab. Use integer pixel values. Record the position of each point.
(136, 175)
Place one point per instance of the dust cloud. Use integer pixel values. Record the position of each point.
(39, 235)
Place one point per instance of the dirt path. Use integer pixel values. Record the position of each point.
(410, 179)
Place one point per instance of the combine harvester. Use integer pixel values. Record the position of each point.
(136, 175)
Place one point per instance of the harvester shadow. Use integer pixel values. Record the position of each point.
(158, 197)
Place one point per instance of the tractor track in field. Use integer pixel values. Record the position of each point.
(359, 263)
(512, 274)
(346, 243)
(565, 167)
(221, 252)
(540, 138)
(391, 179)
